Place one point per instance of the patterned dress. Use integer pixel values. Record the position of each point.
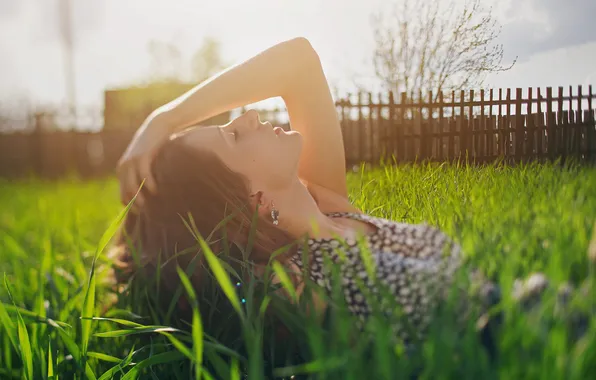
(412, 263)
(413, 267)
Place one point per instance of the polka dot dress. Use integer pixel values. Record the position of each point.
(412, 263)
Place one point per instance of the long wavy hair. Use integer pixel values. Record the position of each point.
(195, 190)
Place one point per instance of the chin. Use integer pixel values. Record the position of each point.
(297, 137)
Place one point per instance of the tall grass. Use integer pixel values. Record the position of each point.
(59, 317)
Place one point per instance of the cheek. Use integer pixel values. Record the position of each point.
(256, 164)
(264, 155)
(264, 159)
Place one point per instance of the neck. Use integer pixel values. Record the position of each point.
(300, 215)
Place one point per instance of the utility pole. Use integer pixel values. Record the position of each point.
(65, 12)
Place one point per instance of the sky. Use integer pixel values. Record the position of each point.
(554, 41)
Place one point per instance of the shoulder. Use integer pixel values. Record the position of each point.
(330, 201)
(421, 240)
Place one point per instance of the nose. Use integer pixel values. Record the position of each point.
(253, 116)
(251, 119)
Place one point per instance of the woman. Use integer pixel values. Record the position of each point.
(294, 181)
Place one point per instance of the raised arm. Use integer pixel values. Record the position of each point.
(292, 70)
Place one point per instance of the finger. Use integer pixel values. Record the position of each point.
(123, 174)
(139, 198)
(145, 172)
(137, 205)
(139, 201)
(124, 194)
(123, 197)
(129, 184)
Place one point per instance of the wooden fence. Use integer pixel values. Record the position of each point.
(480, 126)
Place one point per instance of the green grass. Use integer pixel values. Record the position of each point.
(509, 221)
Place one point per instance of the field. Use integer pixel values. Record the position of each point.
(510, 221)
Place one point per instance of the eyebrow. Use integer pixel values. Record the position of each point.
(222, 134)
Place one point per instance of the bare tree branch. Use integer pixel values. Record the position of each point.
(422, 45)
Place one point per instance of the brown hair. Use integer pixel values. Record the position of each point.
(193, 186)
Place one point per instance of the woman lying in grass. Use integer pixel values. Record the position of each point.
(294, 182)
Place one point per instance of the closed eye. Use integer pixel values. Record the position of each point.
(226, 131)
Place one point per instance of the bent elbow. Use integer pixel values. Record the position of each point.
(304, 51)
(301, 44)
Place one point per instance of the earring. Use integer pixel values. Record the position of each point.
(274, 215)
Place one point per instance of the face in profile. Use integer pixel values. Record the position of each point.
(268, 157)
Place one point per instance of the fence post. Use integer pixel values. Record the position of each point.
(381, 135)
(481, 146)
(530, 126)
(574, 124)
(452, 128)
(550, 123)
(568, 124)
(463, 130)
(371, 129)
(361, 131)
(472, 128)
(539, 126)
(591, 128)
(431, 128)
(560, 125)
(519, 126)
(37, 151)
(351, 130)
(579, 124)
(490, 138)
(441, 151)
(344, 130)
(400, 129)
(424, 141)
(391, 126)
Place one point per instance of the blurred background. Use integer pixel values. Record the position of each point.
(93, 70)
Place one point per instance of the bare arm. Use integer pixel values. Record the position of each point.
(270, 73)
(291, 70)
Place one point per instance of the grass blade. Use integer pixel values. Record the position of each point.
(109, 374)
(117, 320)
(9, 326)
(179, 345)
(104, 357)
(285, 280)
(88, 311)
(311, 367)
(135, 331)
(89, 303)
(114, 313)
(7, 353)
(26, 314)
(72, 348)
(25, 345)
(114, 227)
(220, 366)
(187, 285)
(234, 370)
(222, 277)
(23, 338)
(197, 326)
(50, 361)
(166, 357)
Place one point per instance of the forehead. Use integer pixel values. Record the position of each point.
(211, 138)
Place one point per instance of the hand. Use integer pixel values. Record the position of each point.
(134, 166)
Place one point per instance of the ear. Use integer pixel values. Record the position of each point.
(263, 201)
